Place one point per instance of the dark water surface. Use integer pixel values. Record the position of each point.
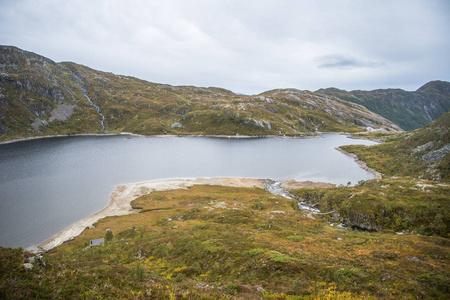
(48, 184)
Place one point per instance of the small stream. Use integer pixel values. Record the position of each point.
(274, 187)
(102, 121)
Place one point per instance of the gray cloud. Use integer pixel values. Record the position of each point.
(345, 62)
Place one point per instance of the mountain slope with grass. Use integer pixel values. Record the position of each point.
(422, 153)
(410, 110)
(40, 97)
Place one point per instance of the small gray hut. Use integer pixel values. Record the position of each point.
(97, 242)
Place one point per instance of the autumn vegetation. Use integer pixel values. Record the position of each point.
(212, 242)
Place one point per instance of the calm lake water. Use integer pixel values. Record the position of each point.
(48, 184)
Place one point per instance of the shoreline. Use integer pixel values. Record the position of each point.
(122, 196)
(361, 163)
(120, 203)
(170, 135)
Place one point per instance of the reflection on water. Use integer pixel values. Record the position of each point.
(49, 184)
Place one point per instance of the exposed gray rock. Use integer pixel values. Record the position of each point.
(422, 147)
(262, 124)
(37, 123)
(437, 154)
(176, 125)
(63, 112)
(413, 258)
(39, 260)
(362, 221)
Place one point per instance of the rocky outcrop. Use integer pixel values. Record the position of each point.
(361, 221)
(62, 112)
(437, 154)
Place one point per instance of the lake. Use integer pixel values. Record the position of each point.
(48, 184)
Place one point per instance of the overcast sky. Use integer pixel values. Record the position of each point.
(244, 45)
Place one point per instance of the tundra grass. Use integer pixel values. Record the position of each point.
(210, 242)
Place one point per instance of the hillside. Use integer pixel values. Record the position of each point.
(422, 153)
(412, 196)
(41, 97)
(213, 242)
(410, 110)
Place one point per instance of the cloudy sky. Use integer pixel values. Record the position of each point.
(247, 46)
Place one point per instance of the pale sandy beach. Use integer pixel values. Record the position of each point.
(122, 196)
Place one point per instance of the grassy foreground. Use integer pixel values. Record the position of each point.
(212, 242)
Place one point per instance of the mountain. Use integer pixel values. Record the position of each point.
(41, 97)
(410, 110)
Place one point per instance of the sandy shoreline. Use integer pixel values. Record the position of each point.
(122, 196)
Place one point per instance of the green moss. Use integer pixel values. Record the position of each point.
(255, 251)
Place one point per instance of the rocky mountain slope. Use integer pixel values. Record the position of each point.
(410, 110)
(41, 97)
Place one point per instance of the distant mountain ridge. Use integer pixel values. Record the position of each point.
(41, 97)
(410, 110)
